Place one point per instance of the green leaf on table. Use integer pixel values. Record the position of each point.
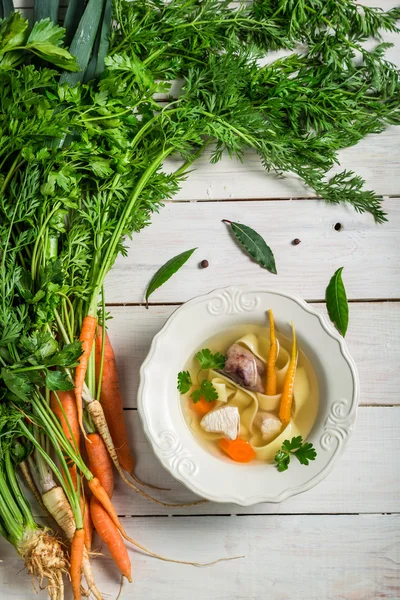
(17, 383)
(166, 271)
(336, 302)
(206, 391)
(184, 382)
(208, 360)
(254, 244)
(56, 380)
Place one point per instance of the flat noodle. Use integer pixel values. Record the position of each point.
(249, 403)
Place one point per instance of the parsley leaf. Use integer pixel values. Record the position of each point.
(208, 360)
(184, 381)
(206, 391)
(303, 452)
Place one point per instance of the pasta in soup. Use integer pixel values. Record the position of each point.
(247, 390)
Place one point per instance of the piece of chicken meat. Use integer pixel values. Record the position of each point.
(244, 368)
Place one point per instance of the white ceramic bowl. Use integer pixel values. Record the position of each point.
(168, 433)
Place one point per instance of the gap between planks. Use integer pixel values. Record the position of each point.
(312, 301)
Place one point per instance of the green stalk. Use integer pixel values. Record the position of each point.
(112, 246)
(18, 496)
(14, 529)
(103, 343)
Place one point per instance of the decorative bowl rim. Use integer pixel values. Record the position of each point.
(342, 425)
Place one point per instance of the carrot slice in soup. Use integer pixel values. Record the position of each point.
(202, 407)
(238, 450)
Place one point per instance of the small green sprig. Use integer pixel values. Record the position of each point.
(303, 452)
(184, 382)
(208, 360)
(206, 391)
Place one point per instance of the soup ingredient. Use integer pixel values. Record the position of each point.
(285, 409)
(202, 406)
(63, 406)
(338, 227)
(244, 368)
(225, 420)
(184, 382)
(208, 360)
(204, 264)
(166, 271)
(270, 388)
(111, 401)
(77, 547)
(303, 452)
(296, 242)
(269, 425)
(86, 338)
(239, 450)
(336, 302)
(206, 391)
(254, 244)
(110, 535)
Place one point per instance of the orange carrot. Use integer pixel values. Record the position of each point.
(270, 387)
(111, 401)
(202, 407)
(77, 547)
(111, 536)
(99, 492)
(87, 525)
(87, 336)
(287, 392)
(69, 423)
(238, 450)
(100, 462)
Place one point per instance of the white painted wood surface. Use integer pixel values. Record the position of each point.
(298, 557)
(340, 540)
(368, 253)
(373, 339)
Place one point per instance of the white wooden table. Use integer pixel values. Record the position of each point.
(340, 540)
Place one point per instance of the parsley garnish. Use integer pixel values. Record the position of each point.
(184, 382)
(303, 452)
(208, 360)
(206, 391)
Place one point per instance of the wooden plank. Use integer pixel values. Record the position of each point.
(365, 479)
(375, 158)
(306, 557)
(372, 339)
(368, 252)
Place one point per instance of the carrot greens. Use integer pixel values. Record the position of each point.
(89, 113)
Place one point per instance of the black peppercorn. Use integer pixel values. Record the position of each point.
(204, 264)
(296, 242)
(338, 227)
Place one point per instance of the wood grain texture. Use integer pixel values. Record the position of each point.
(285, 558)
(368, 252)
(372, 338)
(374, 158)
(365, 479)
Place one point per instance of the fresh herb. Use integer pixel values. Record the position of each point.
(336, 302)
(208, 360)
(206, 391)
(166, 271)
(184, 382)
(303, 452)
(255, 245)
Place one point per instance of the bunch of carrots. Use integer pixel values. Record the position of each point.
(82, 145)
